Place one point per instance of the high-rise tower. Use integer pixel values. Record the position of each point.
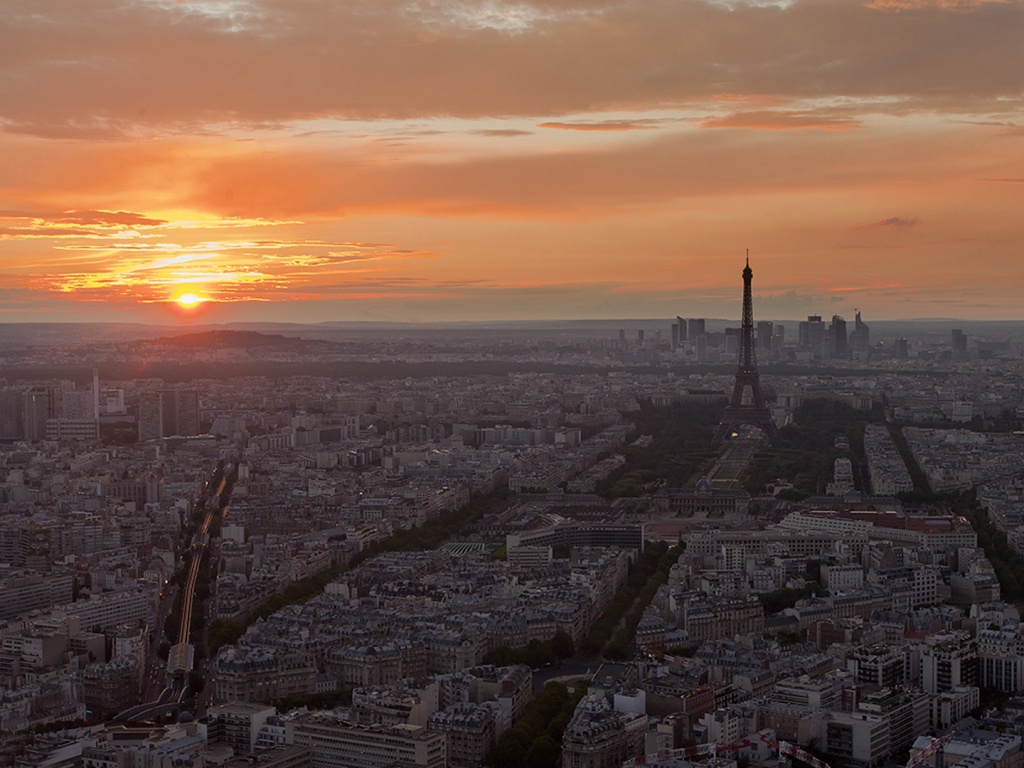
(746, 408)
(167, 413)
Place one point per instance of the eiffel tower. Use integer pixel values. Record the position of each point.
(753, 412)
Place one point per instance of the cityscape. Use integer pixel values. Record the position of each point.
(680, 544)
(511, 384)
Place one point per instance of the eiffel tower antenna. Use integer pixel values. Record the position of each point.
(754, 412)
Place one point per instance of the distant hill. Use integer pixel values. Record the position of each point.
(237, 340)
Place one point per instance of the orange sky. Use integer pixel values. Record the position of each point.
(420, 160)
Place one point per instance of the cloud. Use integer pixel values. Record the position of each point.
(917, 5)
(603, 125)
(225, 270)
(781, 121)
(498, 132)
(113, 227)
(45, 232)
(584, 180)
(785, 305)
(90, 68)
(102, 218)
(74, 224)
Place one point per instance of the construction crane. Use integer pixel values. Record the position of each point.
(659, 656)
(935, 748)
(792, 750)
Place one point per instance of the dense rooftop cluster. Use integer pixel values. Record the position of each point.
(858, 619)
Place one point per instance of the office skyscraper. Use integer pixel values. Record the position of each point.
(78, 405)
(187, 407)
(838, 330)
(150, 416)
(39, 406)
(959, 343)
(11, 414)
(765, 331)
(168, 412)
(860, 337)
(811, 333)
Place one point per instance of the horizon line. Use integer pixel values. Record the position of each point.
(612, 320)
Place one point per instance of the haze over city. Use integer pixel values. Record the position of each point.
(257, 160)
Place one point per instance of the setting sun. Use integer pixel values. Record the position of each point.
(190, 300)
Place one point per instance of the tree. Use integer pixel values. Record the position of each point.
(562, 645)
(534, 740)
(509, 751)
(222, 632)
(501, 656)
(616, 651)
(543, 753)
(196, 683)
(538, 653)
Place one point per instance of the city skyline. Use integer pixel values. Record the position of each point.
(251, 160)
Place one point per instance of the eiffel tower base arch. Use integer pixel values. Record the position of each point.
(744, 415)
